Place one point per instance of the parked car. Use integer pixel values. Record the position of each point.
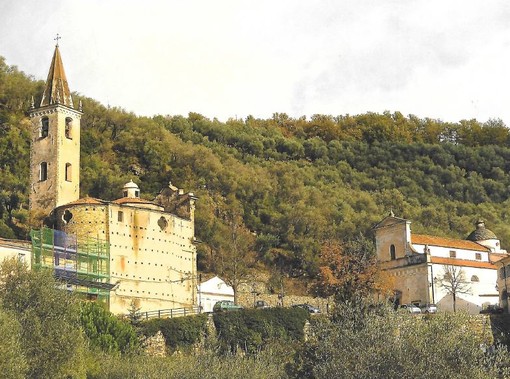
(261, 304)
(429, 308)
(492, 309)
(307, 307)
(411, 308)
(225, 306)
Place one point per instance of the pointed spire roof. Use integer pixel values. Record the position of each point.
(57, 89)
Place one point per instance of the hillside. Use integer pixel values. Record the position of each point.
(293, 182)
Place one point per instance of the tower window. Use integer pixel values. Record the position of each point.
(137, 193)
(45, 126)
(453, 254)
(69, 124)
(68, 173)
(474, 278)
(125, 193)
(478, 256)
(120, 216)
(393, 254)
(43, 171)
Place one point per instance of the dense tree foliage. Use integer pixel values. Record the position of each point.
(377, 342)
(13, 364)
(296, 183)
(349, 271)
(49, 329)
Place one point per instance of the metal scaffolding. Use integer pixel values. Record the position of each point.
(82, 263)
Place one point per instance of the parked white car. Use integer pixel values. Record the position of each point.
(411, 308)
(429, 308)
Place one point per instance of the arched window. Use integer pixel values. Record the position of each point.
(393, 255)
(69, 124)
(45, 126)
(474, 278)
(43, 171)
(68, 173)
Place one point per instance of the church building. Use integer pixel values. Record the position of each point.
(129, 251)
(420, 264)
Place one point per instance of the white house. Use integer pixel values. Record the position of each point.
(15, 248)
(212, 291)
(418, 262)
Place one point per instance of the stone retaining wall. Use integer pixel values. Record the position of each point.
(246, 299)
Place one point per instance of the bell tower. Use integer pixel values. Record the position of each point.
(55, 144)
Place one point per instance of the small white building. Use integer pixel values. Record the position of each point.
(15, 248)
(417, 263)
(212, 291)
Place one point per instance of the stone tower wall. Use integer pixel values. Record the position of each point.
(56, 150)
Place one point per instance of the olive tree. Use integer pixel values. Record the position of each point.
(376, 342)
(13, 364)
(51, 338)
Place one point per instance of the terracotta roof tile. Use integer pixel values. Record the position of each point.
(462, 262)
(422, 239)
(495, 257)
(86, 200)
(133, 200)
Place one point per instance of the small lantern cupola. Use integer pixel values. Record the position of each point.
(131, 190)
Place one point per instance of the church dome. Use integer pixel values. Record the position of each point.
(481, 233)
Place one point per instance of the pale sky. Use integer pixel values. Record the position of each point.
(432, 58)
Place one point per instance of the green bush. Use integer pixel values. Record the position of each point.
(105, 331)
(181, 332)
(250, 329)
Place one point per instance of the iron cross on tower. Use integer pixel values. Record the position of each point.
(57, 38)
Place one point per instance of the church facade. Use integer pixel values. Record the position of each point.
(144, 252)
(422, 266)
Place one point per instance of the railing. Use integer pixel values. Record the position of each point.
(169, 313)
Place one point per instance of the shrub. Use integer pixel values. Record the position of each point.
(250, 329)
(181, 332)
(105, 331)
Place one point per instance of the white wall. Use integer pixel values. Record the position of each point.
(438, 251)
(480, 293)
(18, 249)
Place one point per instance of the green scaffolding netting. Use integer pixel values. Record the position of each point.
(82, 263)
